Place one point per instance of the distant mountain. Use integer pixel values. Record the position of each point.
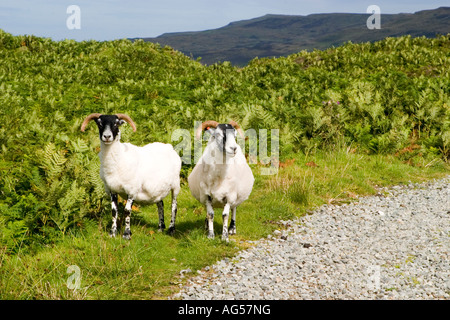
(280, 35)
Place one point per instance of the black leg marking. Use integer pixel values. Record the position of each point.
(232, 225)
(232, 229)
(127, 232)
(161, 225)
(171, 230)
(114, 210)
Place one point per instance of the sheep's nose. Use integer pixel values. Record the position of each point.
(233, 149)
(106, 136)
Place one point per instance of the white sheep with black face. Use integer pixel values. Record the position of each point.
(221, 178)
(143, 175)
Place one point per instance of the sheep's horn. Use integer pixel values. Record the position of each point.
(206, 124)
(238, 128)
(89, 118)
(127, 119)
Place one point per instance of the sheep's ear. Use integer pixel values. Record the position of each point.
(121, 122)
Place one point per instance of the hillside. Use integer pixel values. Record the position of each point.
(281, 35)
(350, 119)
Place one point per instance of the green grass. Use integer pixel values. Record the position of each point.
(148, 266)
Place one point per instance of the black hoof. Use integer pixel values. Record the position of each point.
(127, 235)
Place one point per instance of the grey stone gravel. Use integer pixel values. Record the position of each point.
(395, 245)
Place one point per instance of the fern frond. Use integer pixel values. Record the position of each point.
(52, 160)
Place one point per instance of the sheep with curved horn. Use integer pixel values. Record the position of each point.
(221, 178)
(139, 174)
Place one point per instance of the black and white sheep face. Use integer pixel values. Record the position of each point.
(108, 127)
(225, 138)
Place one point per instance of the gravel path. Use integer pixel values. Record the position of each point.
(395, 245)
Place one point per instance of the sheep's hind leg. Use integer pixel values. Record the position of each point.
(161, 225)
(114, 209)
(174, 214)
(210, 218)
(128, 207)
(232, 228)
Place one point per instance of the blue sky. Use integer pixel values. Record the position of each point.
(116, 19)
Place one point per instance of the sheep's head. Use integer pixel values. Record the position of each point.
(108, 125)
(223, 134)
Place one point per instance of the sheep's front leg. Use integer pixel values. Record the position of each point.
(161, 225)
(210, 218)
(114, 209)
(225, 214)
(128, 208)
(232, 228)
